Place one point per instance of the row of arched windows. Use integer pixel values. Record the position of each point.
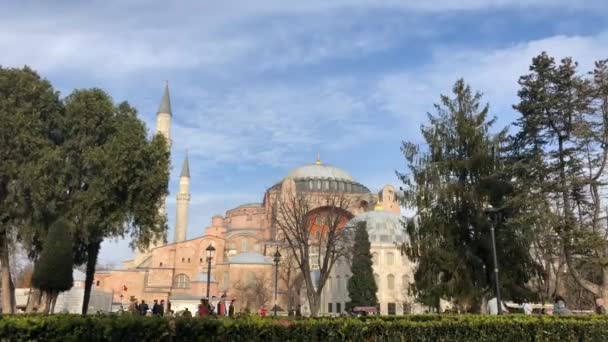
(389, 258)
(390, 281)
(329, 185)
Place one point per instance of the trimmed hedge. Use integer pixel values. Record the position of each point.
(409, 328)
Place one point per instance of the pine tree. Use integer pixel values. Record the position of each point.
(53, 271)
(450, 181)
(362, 286)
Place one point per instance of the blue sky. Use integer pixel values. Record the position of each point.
(261, 87)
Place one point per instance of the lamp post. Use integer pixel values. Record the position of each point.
(277, 259)
(494, 215)
(210, 253)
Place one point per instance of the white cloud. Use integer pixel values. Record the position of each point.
(410, 94)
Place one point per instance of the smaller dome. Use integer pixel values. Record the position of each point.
(249, 205)
(250, 258)
(383, 227)
(320, 171)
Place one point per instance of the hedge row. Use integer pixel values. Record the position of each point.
(410, 328)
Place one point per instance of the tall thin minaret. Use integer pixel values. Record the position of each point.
(163, 117)
(183, 200)
(163, 126)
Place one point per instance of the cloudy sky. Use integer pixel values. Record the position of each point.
(261, 87)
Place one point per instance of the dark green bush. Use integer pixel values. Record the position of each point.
(126, 328)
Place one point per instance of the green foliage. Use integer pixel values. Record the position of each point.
(361, 285)
(53, 271)
(409, 328)
(450, 181)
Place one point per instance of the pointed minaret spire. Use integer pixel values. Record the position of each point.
(185, 167)
(318, 162)
(183, 200)
(165, 101)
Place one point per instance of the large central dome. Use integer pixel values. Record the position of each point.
(320, 171)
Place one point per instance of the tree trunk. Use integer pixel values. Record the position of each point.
(5, 269)
(48, 297)
(33, 301)
(92, 253)
(314, 302)
(53, 301)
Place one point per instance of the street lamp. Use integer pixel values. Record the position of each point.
(210, 253)
(277, 259)
(494, 216)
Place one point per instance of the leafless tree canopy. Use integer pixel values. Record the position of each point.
(313, 228)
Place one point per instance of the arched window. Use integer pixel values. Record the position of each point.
(310, 185)
(390, 282)
(244, 246)
(319, 184)
(377, 279)
(375, 258)
(326, 185)
(405, 281)
(181, 281)
(341, 186)
(390, 259)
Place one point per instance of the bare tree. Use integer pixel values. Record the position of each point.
(254, 292)
(291, 278)
(313, 228)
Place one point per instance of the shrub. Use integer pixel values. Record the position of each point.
(125, 328)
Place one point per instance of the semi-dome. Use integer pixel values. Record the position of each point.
(382, 226)
(320, 171)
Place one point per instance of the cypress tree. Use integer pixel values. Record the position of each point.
(53, 271)
(362, 286)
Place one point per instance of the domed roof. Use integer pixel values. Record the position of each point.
(250, 258)
(382, 226)
(320, 171)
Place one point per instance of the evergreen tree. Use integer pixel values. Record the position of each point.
(53, 271)
(450, 181)
(560, 155)
(362, 286)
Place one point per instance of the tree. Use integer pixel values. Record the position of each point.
(28, 106)
(450, 181)
(116, 178)
(254, 292)
(563, 146)
(290, 277)
(53, 270)
(361, 285)
(314, 230)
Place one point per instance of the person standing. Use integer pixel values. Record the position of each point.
(526, 307)
(143, 308)
(161, 310)
(263, 311)
(203, 308)
(231, 309)
(133, 306)
(156, 308)
(559, 307)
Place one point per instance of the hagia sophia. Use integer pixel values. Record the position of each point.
(245, 241)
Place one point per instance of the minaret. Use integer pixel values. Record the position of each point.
(163, 117)
(163, 126)
(183, 200)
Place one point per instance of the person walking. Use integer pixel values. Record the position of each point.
(600, 309)
(203, 308)
(263, 311)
